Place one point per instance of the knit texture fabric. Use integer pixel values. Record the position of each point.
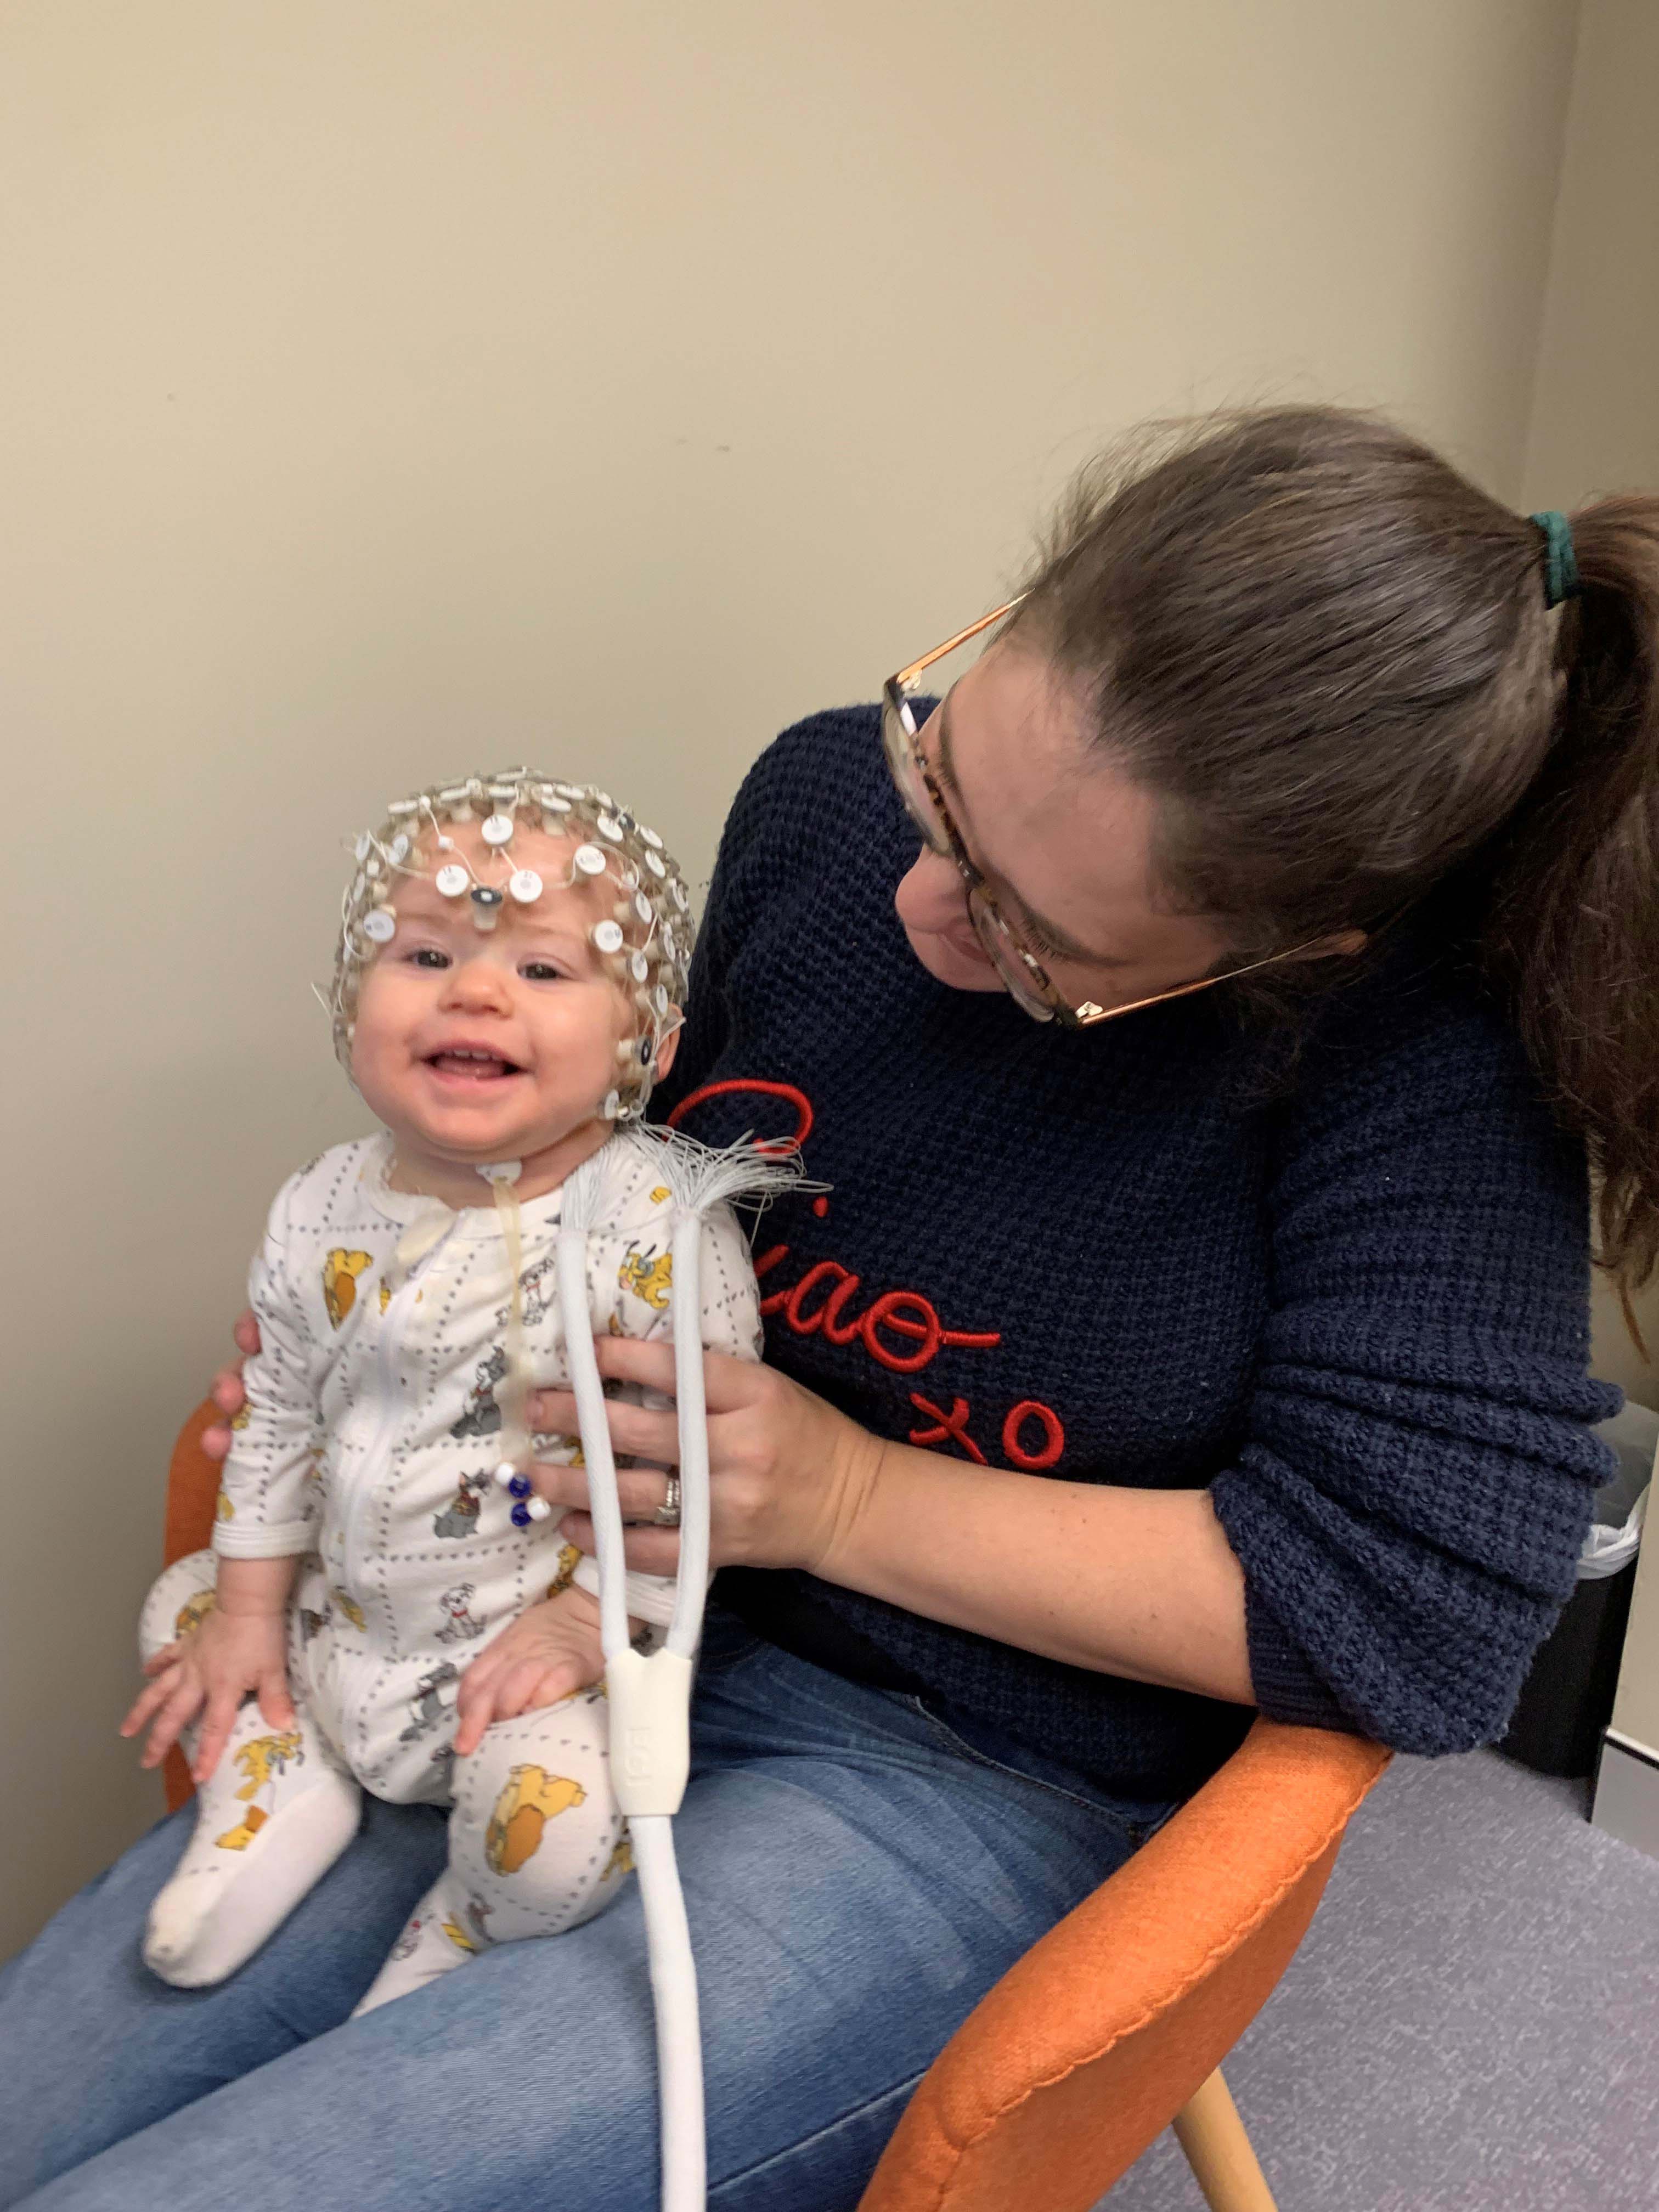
(1357, 1311)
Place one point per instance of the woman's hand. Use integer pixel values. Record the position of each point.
(210, 1672)
(788, 1476)
(549, 1651)
(228, 1394)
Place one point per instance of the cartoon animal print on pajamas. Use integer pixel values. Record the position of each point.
(312, 1624)
(480, 1415)
(621, 1860)
(459, 1624)
(264, 1761)
(193, 1612)
(569, 1559)
(350, 1608)
(539, 1286)
(404, 1946)
(648, 1275)
(242, 1416)
(222, 1508)
(427, 1705)
(460, 1516)
(341, 1269)
(529, 1799)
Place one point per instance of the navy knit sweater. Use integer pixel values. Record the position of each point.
(1358, 1311)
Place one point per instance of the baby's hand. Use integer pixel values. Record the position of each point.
(210, 1672)
(546, 1654)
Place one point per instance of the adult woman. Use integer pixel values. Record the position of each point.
(1295, 1341)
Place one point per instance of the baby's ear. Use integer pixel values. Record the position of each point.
(670, 1043)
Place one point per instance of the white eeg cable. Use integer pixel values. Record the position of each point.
(650, 1700)
(650, 1696)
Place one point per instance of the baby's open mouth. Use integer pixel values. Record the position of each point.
(473, 1066)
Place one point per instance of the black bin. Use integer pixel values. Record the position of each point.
(1566, 1699)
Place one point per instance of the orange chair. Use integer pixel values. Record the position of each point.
(1114, 2027)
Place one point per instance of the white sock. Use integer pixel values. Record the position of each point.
(442, 1933)
(276, 1813)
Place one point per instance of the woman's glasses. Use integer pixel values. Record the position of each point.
(1028, 981)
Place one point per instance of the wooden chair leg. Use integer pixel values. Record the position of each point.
(1208, 2129)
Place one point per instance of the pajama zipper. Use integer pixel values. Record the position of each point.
(402, 1302)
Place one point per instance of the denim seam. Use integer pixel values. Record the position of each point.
(907, 2088)
(718, 1670)
(1135, 1830)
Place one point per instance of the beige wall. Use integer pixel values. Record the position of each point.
(1595, 427)
(1595, 424)
(392, 384)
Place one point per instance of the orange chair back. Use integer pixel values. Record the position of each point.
(1090, 2046)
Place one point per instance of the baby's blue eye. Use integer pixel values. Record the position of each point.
(540, 971)
(427, 956)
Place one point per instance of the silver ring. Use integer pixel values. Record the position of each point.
(667, 1515)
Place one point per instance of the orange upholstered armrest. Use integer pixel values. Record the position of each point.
(1092, 2041)
(192, 1494)
(193, 1488)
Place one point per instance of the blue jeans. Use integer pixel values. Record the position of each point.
(857, 1873)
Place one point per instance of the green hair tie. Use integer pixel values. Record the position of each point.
(1560, 562)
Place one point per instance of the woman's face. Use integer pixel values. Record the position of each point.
(1063, 838)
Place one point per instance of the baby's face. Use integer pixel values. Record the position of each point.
(473, 1047)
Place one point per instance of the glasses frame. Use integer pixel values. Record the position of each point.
(1047, 1001)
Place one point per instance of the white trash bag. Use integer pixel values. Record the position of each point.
(1621, 1506)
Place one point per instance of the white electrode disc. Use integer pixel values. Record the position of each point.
(524, 885)
(607, 936)
(497, 829)
(380, 924)
(452, 880)
(590, 859)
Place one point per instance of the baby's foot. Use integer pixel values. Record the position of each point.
(446, 1929)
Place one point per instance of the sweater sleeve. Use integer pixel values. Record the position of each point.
(1417, 1471)
(268, 1502)
(730, 1324)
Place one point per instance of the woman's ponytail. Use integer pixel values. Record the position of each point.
(1572, 930)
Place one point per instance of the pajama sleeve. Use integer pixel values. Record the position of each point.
(731, 1324)
(268, 1502)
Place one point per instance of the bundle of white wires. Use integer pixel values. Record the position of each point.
(650, 1695)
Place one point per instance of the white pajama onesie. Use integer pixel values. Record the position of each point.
(369, 1449)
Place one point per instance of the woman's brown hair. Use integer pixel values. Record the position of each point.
(1330, 656)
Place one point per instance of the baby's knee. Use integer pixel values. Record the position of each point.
(536, 1836)
(178, 1599)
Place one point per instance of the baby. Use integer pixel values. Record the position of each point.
(511, 964)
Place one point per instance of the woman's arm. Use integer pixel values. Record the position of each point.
(1137, 1582)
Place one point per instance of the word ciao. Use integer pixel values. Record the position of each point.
(900, 1329)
